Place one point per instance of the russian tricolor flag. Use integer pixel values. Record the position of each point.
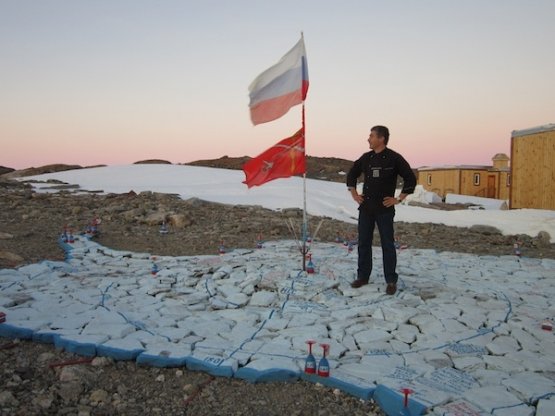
(280, 87)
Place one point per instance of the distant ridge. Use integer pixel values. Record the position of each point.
(152, 162)
(4, 170)
(57, 167)
(323, 168)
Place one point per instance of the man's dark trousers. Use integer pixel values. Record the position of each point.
(366, 225)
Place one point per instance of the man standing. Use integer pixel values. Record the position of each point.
(377, 203)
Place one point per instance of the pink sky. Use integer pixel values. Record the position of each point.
(105, 83)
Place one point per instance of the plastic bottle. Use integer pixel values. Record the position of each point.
(154, 268)
(310, 362)
(324, 365)
(310, 265)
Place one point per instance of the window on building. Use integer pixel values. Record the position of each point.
(429, 179)
(476, 179)
(509, 179)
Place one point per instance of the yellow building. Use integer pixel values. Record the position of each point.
(483, 181)
(533, 168)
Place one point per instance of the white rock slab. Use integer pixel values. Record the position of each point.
(529, 387)
(491, 398)
(263, 298)
(545, 407)
(503, 345)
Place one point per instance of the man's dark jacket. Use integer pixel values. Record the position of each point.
(380, 178)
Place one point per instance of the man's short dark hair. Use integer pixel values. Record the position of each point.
(381, 131)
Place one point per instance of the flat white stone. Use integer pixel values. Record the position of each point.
(381, 364)
(240, 315)
(399, 315)
(462, 349)
(174, 334)
(533, 361)
(205, 327)
(423, 393)
(427, 324)
(468, 363)
(529, 386)
(86, 338)
(399, 346)
(500, 328)
(306, 319)
(371, 335)
(503, 345)
(449, 380)
(144, 337)
(269, 363)
(304, 333)
(215, 342)
(124, 344)
(23, 313)
(545, 407)
(406, 333)
(276, 324)
(491, 398)
(525, 340)
(348, 341)
(357, 370)
(473, 319)
(436, 358)
(167, 349)
(453, 326)
(418, 365)
(458, 408)
(502, 363)
(382, 324)
(241, 332)
(34, 270)
(113, 331)
(263, 298)
(237, 299)
(227, 290)
(489, 377)
(73, 322)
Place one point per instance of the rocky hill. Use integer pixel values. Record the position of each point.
(4, 170)
(152, 162)
(56, 167)
(324, 168)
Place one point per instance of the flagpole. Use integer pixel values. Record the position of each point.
(305, 225)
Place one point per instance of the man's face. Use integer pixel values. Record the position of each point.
(374, 140)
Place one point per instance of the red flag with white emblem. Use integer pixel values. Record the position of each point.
(282, 160)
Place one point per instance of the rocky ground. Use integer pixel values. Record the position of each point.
(38, 379)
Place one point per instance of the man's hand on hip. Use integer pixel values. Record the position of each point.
(389, 201)
(356, 196)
